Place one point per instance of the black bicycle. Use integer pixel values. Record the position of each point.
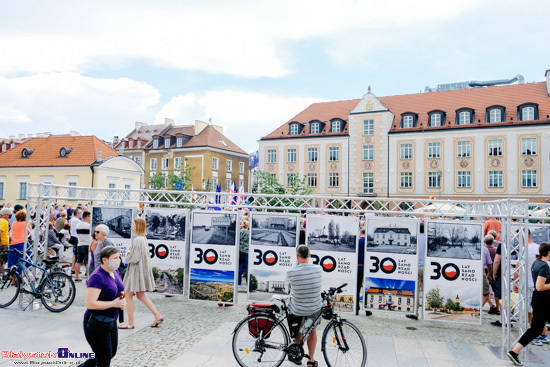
(56, 290)
(262, 339)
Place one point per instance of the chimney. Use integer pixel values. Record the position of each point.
(115, 140)
(99, 154)
(29, 135)
(168, 121)
(139, 124)
(21, 136)
(12, 137)
(548, 82)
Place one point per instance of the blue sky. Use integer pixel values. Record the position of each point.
(97, 67)
(206, 275)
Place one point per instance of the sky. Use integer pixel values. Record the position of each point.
(250, 66)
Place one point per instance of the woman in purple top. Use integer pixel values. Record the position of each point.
(103, 302)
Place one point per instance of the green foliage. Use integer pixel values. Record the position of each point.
(172, 181)
(434, 298)
(179, 276)
(155, 273)
(253, 283)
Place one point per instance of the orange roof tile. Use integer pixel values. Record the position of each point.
(210, 137)
(508, 96)
(324, 112)
(186, 130)
(46, 152)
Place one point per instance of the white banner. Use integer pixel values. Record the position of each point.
(214, 256)
(119, 220)
(391, 264)
(272, 252)
(167, 239)
(333, 243)
(453, 271)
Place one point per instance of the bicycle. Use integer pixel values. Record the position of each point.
(262, 339)
(56, 290)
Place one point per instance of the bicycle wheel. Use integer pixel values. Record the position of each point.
(343, 345)
(10, 285)
(259, 340)
(57, 292)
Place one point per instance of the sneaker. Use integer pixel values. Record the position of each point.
(496, 323)
(544, 339)
(538, 342)
(514, 358)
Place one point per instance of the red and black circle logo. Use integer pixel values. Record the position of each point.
(328, 263)
(388, 265)
(450, 271)
(210, 256)
(162, 251)
(270, 258)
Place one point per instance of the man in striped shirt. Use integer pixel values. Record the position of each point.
(305, 282)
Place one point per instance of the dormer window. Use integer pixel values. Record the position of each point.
(408, 120)
(495, 114)
(179, 142)
(130, 144)
(528, 112)
(336, 126)
(294, 129)
(465, 116)
(436, 118)
(64, 152)
(166, 143)
(25, 153)
(139, 143)
(155, 144)
(315, 128)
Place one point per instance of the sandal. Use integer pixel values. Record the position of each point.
(126, 326)
(312, 364)
(157, 322)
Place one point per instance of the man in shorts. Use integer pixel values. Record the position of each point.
(83, 233)
(305, 303)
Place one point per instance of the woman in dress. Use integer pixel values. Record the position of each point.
(103, 302)
(139, 275)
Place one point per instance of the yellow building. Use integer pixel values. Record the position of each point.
(83, 161)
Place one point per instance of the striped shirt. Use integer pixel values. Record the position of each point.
(305, 289)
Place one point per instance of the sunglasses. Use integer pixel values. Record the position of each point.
(97, 232)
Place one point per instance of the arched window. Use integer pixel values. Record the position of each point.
(336, 126)
(465, 116)
(314, 129)
(436, 118)
(528, 112)
(495, 114)
(408, 120)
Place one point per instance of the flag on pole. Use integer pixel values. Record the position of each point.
(241, 191)
(193, 195)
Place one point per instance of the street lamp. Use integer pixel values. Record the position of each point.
(439, 182)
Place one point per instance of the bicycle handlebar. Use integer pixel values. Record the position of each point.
(16, 251)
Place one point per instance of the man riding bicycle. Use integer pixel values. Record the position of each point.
(305, 281)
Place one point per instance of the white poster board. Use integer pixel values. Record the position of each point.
(272, 252)
(214, 256)
(119, 220)
(167, 240)
(391, 265)
(453, 271)
(332, 240)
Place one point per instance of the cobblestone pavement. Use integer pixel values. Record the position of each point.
(187, 322)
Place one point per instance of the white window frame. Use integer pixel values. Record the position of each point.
(271, 156)
(291, 155)
(139, 143)
(405, 151)
(334, 154)
(229, 165)
(177, 163)
(435, 119)
(368, 152)
(290, 179)
(406, 180)
(312, 155)
(227, 183)
(496, 179)
(312, 179)
(153, 164)
(368, 183)
(179, 142)
(495, 148)
(215, 163)
(155, 144)
(165, 164)
(434, 150)
(336, 126)
(130, 144)
(334, 179)
(529, 178)
(167, 143)
(464, 118)
(22, 188)
(241, 167)
(434, 180)
(464, 179)
(495, 115)
(315, 128)
(529, 144)
(464, 149)
(408, 121)
(294, 129)
(528, 113)
(368, 127)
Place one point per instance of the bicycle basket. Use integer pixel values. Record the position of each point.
(261, 324)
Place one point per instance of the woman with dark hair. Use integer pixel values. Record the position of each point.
(104, 299)
(540, 302)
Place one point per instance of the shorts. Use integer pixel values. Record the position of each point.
(296, 322)
(3, 254)
(485, 284)
(82, 255)
(497, 287)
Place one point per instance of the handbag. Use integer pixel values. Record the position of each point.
(100, 323)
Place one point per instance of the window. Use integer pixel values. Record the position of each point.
(495, 178)
(112, 185)
(12, 145)
(464, 179)
(273, 178)
(528, 112)
(138, 160)
(464, 149)
(241, 167)
(406, 151)
(368, 152)
(153, 164)
(71, 192)
(227, 183)
(22, 194)
(464, 117)
(294, 129)
(434, 150)
(334, 154)
(333, 179)
(336, 126)
(241, 184)
(529, 178)
(130, 144)
(291, 155)
(229, 165)
(312, 154)
(126, 193)
(164, 164)
(166, 143)
(177, 163)
(495, 114)
(1, 190)
(435, 119)
(529, 146)
(139, 144)
(271, 156)
(495, 148)
(179, 142)
(406, 180)
(434, 180)
(314, 128)
(312, 179)
(155, 144)
(215, 183)
(290, 179)
(215, 163)
(407, 122)
(368, 183)
(368, 127)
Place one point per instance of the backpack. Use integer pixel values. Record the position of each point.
(261, 325)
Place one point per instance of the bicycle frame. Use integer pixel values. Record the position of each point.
(23, 265)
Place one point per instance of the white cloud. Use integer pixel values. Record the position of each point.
(11, 115)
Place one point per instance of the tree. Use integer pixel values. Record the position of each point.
(173, 180)
(331, 230)
(450, 305)
(180, 277)
(435, 299)
(253, 283)
(155, 273)
(267, 183)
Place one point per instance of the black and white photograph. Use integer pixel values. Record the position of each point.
(166, 224)
(454, 239)
(392, 235)
(214, 228)
(273, 230)
(331, 233)
(118, 219)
